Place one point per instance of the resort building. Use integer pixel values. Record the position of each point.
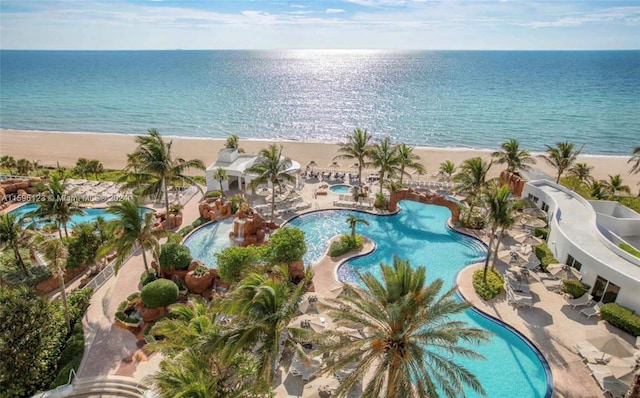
(586, 235)
(236, 165)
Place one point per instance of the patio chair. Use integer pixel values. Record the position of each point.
(585, 299)
(591, 311)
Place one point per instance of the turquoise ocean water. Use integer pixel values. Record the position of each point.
(474, 99)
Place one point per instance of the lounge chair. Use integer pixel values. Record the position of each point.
(591, 311)
(585, 299)
(553, 285)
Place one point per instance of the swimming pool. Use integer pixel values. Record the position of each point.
(341, 189)
(208, 240)
(90, 215)
(419, 233)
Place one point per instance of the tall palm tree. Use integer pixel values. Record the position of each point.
(410, 341)
(233, 142)
(220, 175)
(15, 236)
(562, 156)
(635, 159)
(271, 167)
(408, 159)
(264, 307)
(95, 167)
(353, 221)
(506, 223)
(357, 147)
(614, 186)
(447, 168)
(56, 253)
(23, 167)
(515, 158)
(384, 157)
(82, 167)
(157, 169)
(134, 230)
(598, 190)
(582, 172)
(57, 205)
(472, 179)
(8, 162)
(498, 213)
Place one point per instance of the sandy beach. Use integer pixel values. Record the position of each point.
(52, 147)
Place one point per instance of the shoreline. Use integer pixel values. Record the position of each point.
(64, 148)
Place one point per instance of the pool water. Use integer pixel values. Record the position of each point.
(90, 215)
(208, 240)
(419, 233)
(340, 189)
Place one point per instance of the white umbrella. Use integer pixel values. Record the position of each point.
(335, 165)
(609, 344)
(336, 291)
(563, 271)
(527, 239)
(622, 369)
(509, 256)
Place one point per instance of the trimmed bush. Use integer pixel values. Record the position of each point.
(233, 260)
(346, 244)
(159, 293)
(493, 286)
(78, 303)
(214, 194)
(175, 256)
(621, 317)
(545, 255)
(286, 246)
(574, 288)
(145, 278)
(629, 249)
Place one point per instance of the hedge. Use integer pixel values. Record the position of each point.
(159, 293)
(629, 249)
(345, 245)
(574, 288)
(492, 288)
(621, 317)
(174, 256)
(545, 255)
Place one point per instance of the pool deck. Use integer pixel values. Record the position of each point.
(551, 324)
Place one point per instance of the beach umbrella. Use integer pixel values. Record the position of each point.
(609, 343)
(622, 369)
(563, 271)
(336, 291)
(527, 239)
(335, 165)
(509, 256)
(312, 164)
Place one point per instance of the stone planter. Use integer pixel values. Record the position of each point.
(151, 314)
(198, 283)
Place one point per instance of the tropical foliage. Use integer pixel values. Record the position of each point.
(407, 159)
(220, 175)
(635, 159)
(562, 157)
(487, 284)
(499, 215)
(582, 172)
(447, 169)
(57, 206)
(357, 147)
(384, 157)
(14, 236)
(614, 186)
(175, 256)
(513, 157)
(410, 341)
(353, 221)
(286, 246)
(472, 180)
(55, 254)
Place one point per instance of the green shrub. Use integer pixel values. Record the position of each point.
(629, 249)
(380, 201)
(71, 356)
(159, 293)
(632, 202)
(214, 194)
(621, 317)
(78, 303)
(541, 233)
(545, 255)
(493, 286)
(175, 256)
(233, 260)
(127, 319)
(83, 246)
(186, 230)
(574, 288)
(345, 244)
(286, 246)
(145, 278)
(12, 274)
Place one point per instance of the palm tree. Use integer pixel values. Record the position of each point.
(95, 167)
(407, 159)
(635, 158)
(233, 142)
(56, 253)
(562, 157)
(134, 230)
(57, 205)
(263, 307)
(615, 185)
(353, 221)
(498, 213)
(384, 156)
(515, 158)
(472, 179)
(82, 167)
(14, 235)
(447, 168)
(23, 167)
(7, 162)
(356, 148)
(157, 169)
(598, 190)
(220, 175)
(271, 167)
(409, 340)
(506, 223)
(582, 172)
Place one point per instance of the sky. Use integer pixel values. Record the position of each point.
(346, 24)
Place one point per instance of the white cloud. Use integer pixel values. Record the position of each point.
(334, 10)
(622, 15)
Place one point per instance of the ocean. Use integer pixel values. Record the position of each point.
(470, 99)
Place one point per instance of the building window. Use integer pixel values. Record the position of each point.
(572, 262)
(545, 207)
(605, 291)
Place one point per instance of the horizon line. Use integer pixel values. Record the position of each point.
(321, 49)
